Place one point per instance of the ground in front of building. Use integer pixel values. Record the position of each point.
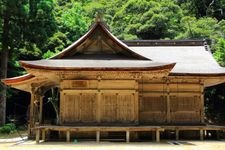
(106, 145)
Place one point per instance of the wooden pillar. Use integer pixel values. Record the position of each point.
(40, 109)
(168, 118)
(37, 135)
(136, 107)
(43, 134)
(157, 135)
(202, 112)
(61, 105)
(31, 116)
(201, 134)
(36, 113)
(136, 101)
(98, 136)
(67, 136)
(177, 134)
(98, 107)
(127, 136)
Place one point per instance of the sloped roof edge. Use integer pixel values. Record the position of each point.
(17, 79)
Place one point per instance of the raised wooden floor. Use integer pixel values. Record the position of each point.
(41, 130)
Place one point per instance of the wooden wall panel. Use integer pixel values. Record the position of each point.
(185, 109)
(153, 110)
(79, 107)
(117, 84)
(108, 108)
(185, 87)
(68, 108)
(126, 107)
(79, 84)
(88, 107)
(153, 87)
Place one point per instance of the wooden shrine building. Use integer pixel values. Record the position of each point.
(135, 87)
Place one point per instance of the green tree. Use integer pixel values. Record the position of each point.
(41, 23)
(215, 103)
(220, 52)
(55, 44)
(25, 26)
(194, 28)
(72, 20)
(142, 19)
(202, 8)
(12, 12)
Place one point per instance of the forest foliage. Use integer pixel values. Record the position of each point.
(40, 28)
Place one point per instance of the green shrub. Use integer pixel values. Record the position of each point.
(8, 128)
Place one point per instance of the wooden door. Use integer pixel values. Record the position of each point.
(78, 107)
(118, 106)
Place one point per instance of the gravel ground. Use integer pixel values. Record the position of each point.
(91, 145)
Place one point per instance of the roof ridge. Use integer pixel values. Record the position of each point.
(190, 42)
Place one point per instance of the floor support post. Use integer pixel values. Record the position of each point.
(127, 136)
(177, 134)
(37, 135)
(67, 136)
(98, 136)
(43, 134)
(201, 134)
(157, 135)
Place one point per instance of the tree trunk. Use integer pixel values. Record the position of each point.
(4, 67)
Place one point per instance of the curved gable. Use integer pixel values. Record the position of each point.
(99, 43)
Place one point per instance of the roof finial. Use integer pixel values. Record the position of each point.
(98, 17)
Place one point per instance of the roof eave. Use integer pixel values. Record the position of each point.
(168, 66)
(15, 80)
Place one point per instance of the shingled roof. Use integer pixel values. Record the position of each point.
(193, 58)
